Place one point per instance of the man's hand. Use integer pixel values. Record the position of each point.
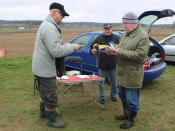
(77, 47)
(115, 52)
(94, 51)
(108, 52)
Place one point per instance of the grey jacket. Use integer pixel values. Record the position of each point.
(133, 50)
(48, 46)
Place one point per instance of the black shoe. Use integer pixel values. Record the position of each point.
(126, 125)
(114, 99)
(132, 115)
(122, 117)
(102, 101)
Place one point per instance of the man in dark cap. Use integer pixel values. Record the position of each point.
(49, 45)
(106, 63)
(132, 52)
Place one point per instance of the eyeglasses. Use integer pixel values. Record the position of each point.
(60, 12)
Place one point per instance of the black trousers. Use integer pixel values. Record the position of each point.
(48, 92)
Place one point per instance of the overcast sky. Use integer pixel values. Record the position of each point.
(82, 10)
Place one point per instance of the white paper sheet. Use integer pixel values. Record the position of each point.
(64, 77)
(83, 76)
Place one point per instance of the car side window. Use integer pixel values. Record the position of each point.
(95, 37)
(82, 40)
(170, 41)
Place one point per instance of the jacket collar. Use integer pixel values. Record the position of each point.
(134, 32)
(51, 20)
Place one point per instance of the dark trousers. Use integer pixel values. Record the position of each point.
(48, 92)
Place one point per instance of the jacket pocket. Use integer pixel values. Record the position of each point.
(49, 94)
(133, 78)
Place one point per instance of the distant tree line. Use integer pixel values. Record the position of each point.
(20, 22)
(36, 23)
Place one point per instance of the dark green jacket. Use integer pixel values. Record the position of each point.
(133, 50)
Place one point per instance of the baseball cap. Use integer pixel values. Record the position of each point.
(107, 25)
(60, 7)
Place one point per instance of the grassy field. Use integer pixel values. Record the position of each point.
(19, 109)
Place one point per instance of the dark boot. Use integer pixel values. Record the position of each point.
(125, 114)
(132, 115)
(52, 121)
(42, 110)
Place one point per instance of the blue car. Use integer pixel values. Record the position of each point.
(155, 64)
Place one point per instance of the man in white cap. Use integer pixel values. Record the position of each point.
(49, 46)
(132, 52)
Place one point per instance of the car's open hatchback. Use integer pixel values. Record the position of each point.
(156, 55)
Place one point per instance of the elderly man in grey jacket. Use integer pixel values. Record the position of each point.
(49, 45)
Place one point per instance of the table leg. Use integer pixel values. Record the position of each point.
(104, 107)
(61, 103)
(65, 89)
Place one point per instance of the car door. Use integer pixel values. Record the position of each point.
(169, 47)
(87, 60)
(92, 62)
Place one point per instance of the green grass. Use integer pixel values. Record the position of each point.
(19, 108)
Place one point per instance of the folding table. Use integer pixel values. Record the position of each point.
(80, 78)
